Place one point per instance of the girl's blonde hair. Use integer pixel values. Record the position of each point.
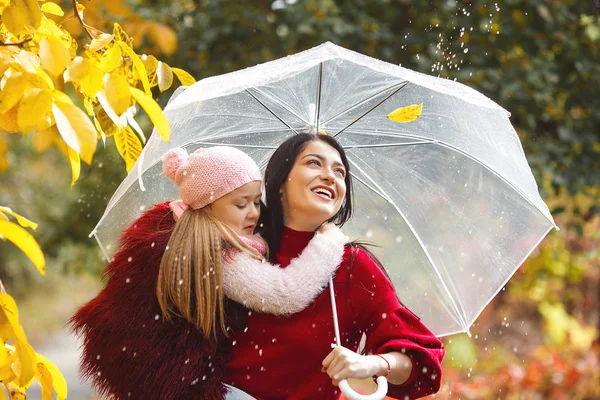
(190, 275)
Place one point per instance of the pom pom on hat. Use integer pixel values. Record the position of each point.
(172, 161)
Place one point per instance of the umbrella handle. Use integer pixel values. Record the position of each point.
(382, 387)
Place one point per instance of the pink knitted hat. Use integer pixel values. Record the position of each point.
(209, 173)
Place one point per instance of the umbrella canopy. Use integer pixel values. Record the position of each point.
(448, 197)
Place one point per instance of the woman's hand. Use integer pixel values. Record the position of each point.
(343, 363)
(333, 233)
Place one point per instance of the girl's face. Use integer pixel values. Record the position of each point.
(315, 188)
(240, 208)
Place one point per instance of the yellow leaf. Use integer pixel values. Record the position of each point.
(120, 33)
(138, 65)
(25, 352)
(74, 126)
(34, 106)
(22, 16)
(24, 222)
(129, 146)
(164, 75)
(12, 91)
(84, 73)
(58, 380)
(151, 63)
(3, 150)
(24, 241)
(406, 114)
(154, 112)
(54, 55)
(52, 8)
(7, 357)
(44, 377)
(9, 120)
(16, 392)
(75, 166)
(39, 78)
(116, 91)
(6, 331)
(44, 139)
(101, 41)
(185, 78)
(163, 36)
(110, 59)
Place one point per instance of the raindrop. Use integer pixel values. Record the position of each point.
(180, 282)
(98, 357)
(399, 239)
(127, 280)
(156, 317)
(142, 208)
(129, 259)
(234, 342)
(383, 316)
(369, 233)
(466, 50)
(124, 348)
(152, 245)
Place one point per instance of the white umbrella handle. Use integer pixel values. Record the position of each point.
(382, 384)
(382, 387)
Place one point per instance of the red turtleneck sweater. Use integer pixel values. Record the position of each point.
(280, 357)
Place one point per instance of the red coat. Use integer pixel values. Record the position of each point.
(280, 357)
(129, 352)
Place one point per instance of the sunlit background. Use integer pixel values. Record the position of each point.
(538, 59)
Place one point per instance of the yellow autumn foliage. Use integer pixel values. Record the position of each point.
(107, 82)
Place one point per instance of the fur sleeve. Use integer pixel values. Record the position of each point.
(268, 288)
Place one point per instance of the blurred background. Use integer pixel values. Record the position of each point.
(538, 59)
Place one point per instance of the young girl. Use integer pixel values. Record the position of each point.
(159, 328)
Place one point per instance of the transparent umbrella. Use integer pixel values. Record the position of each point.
(448, 196)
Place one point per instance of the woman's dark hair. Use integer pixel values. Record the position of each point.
(277, 172)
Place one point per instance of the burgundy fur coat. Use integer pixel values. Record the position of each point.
(129, 352)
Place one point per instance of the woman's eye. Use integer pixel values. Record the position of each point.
(240, 206)
(341, 172)
(257, 203)
(313, 162)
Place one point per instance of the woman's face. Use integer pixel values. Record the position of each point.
(315, 188)
(240, 208)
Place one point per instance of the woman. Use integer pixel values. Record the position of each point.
(158, 330)
(291, 358)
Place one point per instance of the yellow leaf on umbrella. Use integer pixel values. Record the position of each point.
(12, 91)
(110, 59)
(164, 76)
(25, 352)
(185, 78)
(24, 241)
(101, 41)
(74, 126)
(24, 222)
(138, 65)
(163, 36)
(52, 8)
(406, 114)
(54, 55)
(75, 166)
(58, 380)
(116, 91)
(129, 146)
(154, 112)
(22, 16)
(34, 106)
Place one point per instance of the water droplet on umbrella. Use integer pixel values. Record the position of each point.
(127, 280)
(156, 317)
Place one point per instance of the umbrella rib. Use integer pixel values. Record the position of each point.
(372, 108)
(402, 84)
(269, 110)
(318, 108)
(362, 102)
(459, 312)
(279, 103)
(247, 146)
(472, 157)
(367, 146)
